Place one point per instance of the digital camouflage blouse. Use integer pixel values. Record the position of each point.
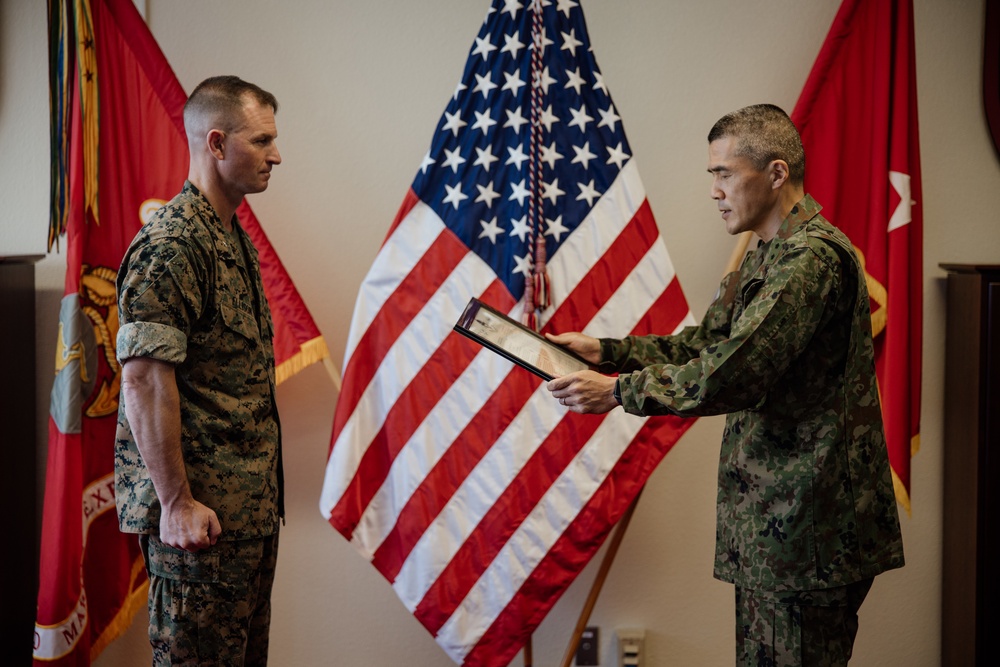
(190, 293)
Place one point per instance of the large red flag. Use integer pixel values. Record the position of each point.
(858, 119)
(456, 474)
(119, 151)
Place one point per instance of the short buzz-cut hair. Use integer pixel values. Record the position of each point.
(764, 132)
(221, 99)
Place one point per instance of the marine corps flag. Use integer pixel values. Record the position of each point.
(453, 471)
(118, 152)
(858, 120)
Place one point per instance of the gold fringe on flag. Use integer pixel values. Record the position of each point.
(134, 601)
(309, 353)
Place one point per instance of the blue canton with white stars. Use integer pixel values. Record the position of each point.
(476, 174)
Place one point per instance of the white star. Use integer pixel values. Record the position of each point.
(459, 88)
(520, 227)
(514, 82)
(617, 155)
(575, 80)
(550, 155)
(551, 190)
(487, 194)
(426, 162)
(543, 80)
(583, 155)
(902, 215)
(570, 42)
(609, 117)
(588, 192)
(515, 119)
(566, 5)
(519, 192)
(523, 265)
(484, 85)
(454, 195)
(483, 121)
(453, 122)
(517, 156)
(599, 78)
(556, 227)
(512, 44)
(484, 158)
(512, 7)
(580, 118)
(490, 229)
(453, 159)
(548, 118)
(483, 47)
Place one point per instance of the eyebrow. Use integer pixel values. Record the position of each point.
(716, 170)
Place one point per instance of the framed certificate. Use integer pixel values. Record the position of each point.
(512, 340)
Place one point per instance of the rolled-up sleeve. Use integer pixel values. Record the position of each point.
(149, 339)
(158, 299)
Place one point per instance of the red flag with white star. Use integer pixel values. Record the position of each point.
(858, 118)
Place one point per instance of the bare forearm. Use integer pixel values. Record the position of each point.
(152, 406)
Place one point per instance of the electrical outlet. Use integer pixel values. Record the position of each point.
(631, 647)
(586, 650)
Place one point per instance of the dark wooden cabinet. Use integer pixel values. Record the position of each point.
(19, 581)
(971, 514)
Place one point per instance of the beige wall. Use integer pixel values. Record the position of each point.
(362, 85)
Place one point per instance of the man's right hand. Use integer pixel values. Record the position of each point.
(189, 525)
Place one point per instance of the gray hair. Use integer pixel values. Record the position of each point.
(764, 132)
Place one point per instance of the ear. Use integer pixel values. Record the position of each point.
(215, 141)
(778, 172)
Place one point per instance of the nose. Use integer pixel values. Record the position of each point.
(715, 192)
(275, 156)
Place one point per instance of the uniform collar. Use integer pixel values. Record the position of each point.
(225, 243)
(804, 210)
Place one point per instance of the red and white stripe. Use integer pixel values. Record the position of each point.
(469, 488)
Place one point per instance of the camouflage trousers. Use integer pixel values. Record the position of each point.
(798, 628)
(211, 607)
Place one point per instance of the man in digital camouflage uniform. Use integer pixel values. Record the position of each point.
(806, 513)
(197, 456)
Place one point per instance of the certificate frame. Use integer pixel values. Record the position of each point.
(516, 342)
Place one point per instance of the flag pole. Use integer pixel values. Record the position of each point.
(331, 368)
(602, 574)
(738, 252)
(735, 259)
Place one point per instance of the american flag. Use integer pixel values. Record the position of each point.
(454, 472)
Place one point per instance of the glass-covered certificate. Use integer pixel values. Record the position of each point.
(512, 340)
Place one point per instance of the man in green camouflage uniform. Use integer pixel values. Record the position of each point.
(806, 512)
(197, 455)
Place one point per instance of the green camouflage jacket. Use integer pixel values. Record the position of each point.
(805, 496)
(191, 294)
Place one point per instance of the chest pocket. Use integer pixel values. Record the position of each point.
(238, 320)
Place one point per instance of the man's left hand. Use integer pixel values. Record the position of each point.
(586, 392)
